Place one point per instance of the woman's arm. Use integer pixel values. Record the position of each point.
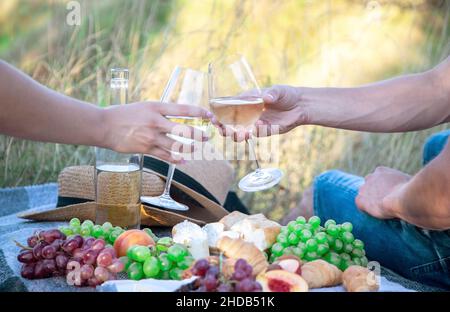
(29, 110)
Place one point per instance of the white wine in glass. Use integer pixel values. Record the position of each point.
(185, 86)
(236, 100)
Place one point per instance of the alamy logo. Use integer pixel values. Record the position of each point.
(73, 17)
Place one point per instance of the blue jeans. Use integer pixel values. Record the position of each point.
(417, 254)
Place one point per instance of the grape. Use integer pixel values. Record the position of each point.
(347, 237)
(293, 239)
(37, 250)
(298, 229)
(49, 252)
(140, 253)
(93, 282)
(78, 254)
(345, 264)
(200, 267)
(333, 230)
(111, 251)
(311, 255)
(364, 261)
(314, 221)
(300, 220)
(246, 285)
(338, 245)
(76, 229)
(85, 231)
(176, 274)
(97, 231)
(176, 252)
(61, 261)
(49, 266)
(79, 239)
(311, 245)
(277, 249)
(90, 256)
(346, 257)
(39, 270)
(70, 245)
(104, 259)
(214, 271)
(185, 263)
(283, 239)
(347, 227)
(151, 267)
(348, 248)
(210, 283)
(297, 251)
(357, 243)
(238, 275)
(57, 243)
(27, 270)
(88, 242)
(356, 261)
(107, 226)
(333, 258)
(321, 238)
(328, 222)
(86, 271)
(98, 244)
(135, 271)
(66, 230)
(225, 287)
(164, 263)
(126, 261)
(32, 241)
(357, 253)
(330, 240)
(26, 256)
(101, 273)
(114, 235)
(88, 223)
(305, 235)
(74, 222)
(257, 286)
(322, 249)
(291, 226)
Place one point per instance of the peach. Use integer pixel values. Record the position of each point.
(130, 238)
(282, 281)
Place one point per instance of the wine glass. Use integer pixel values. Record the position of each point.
(236, 100)
(185, 86)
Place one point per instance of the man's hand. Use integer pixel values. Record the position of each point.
(143, 128)
(375, 195)
(282, 113)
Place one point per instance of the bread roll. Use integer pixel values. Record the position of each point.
(232, 218)
(258, 230)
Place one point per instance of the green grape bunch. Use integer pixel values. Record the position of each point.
(308, 240)
(106, 231)
(166, 260)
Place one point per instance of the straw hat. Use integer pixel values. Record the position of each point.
(200, 184)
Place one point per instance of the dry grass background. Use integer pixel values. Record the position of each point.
(302, 42)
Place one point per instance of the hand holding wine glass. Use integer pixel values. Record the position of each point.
(236, 101)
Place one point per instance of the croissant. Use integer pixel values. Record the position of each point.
(237, 248)
(359, 279)
(319, 273)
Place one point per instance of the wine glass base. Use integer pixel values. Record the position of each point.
(165, 202)
(262, 179)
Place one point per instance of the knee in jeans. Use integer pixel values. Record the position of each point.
(329, 176)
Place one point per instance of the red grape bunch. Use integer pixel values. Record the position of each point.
(84, 262)
(211, 279)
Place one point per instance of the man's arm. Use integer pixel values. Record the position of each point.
(405, 103)
(425, 199)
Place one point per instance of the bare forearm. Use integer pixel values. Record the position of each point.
(31, 111)
(425, 199)
(400, 104)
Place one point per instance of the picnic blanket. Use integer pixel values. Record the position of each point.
(42, 197)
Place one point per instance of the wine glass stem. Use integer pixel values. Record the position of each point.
(170, 173)
(252, 150)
